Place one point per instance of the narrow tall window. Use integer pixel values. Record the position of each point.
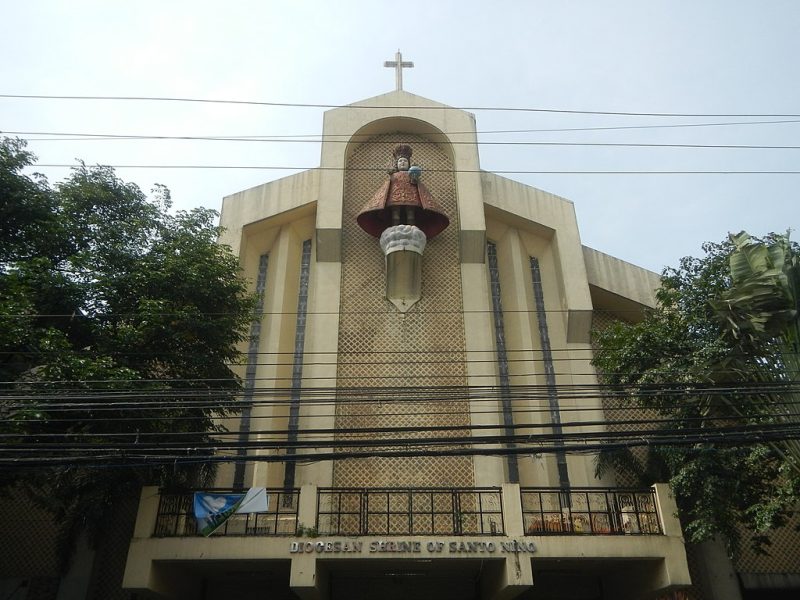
(549, 372)
(297, 365)
(502, 360)
(250, 371)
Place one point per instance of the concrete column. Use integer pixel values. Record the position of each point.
(512, 510)
(667, 510)
(717, 577)
(507, 578)
(147, 512)
(646, 580)
(75, 583)
(308, 578)
(307, 506)
(511, 576)
(143, 574)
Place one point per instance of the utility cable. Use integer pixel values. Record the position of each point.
(451, 142)
(116, 460)
(381, 170)
(361, 137)
(392, 107)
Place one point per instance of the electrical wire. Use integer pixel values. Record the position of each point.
(357, 137)
(381, 170)
(393, 107)
(333, 353)
(345, 438)
(415, 411)
(194, 314)
(451, 142)
(614, 424)
(421, 403)
(118, 460)
(590, 441)
(372, 392)
(453, 377)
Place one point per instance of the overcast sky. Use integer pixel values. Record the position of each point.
(695, 57)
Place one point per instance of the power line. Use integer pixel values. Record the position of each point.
(131, 400)
(319, 378)
(422, 353)
(425, 359)
(393, 107)
(623, 127)
(226, 403)
(131, 459)
(356, 137)
(666, 399)
(419, 408)
(195, 313)
(648, 423)
(342, 438)
(517, 374)
(346, 376)
(453, 142)
(680, 385)
(531, 443)
(381, 170)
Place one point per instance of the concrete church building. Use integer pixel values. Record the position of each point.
(414, 311)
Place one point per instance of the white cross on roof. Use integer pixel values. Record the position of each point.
(398, 65)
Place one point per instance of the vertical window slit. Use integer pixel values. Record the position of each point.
(549, 373)
(502, 360)
(297, 366)
(250, 371)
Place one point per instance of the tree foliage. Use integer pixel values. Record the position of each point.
(761, 317)
(716, 331)
(115, 313)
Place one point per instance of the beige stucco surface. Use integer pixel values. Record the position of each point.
(548, 215)
(266, 203)
(401, 111)
(154, 564)
(620, 278)
(276, 218)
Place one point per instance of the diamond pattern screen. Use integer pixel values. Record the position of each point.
(381, 348)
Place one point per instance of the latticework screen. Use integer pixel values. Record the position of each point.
(28, 540)
(783, 553)
(383, 348)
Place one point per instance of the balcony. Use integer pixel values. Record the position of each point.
(508, 535)
(589, 511)
(428, 511)
(175, 517)
(410, 511)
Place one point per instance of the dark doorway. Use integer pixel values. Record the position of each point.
(401, 580)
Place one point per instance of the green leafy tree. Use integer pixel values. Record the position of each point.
(119, 324)
(761, 318)
(693, 361)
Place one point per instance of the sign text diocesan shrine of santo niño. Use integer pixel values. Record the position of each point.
(348, 546)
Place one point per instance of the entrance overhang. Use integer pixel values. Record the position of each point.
(517, 547)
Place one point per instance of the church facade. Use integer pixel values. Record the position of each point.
(412, 393)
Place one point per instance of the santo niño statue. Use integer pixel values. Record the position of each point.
(403, 215)
(403, 200)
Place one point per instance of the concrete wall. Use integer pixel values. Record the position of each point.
(399, 111)
(635, 566)
(522, 222)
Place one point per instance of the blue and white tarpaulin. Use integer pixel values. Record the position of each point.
(212, 510)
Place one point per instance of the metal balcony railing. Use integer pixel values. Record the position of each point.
(589, 511)
(175, 516)
(410, 511)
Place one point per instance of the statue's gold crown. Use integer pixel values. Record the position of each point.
(402, 150)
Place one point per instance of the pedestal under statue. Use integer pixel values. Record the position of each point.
(403, 215)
